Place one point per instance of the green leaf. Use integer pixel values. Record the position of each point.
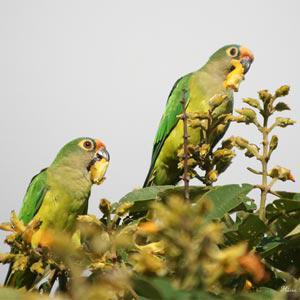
(269, 245)
(283, 215)
(250, 229)
(195, 192)
(142, 197)
(161, 289)
(226, 198)
(248, 206)
(288, 195)
(281, 106)
(285, 256)
(260, 294)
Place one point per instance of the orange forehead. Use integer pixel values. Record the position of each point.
(246, 52)
(99, 144)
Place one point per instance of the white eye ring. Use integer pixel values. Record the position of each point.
(87, 145)
(232, 51)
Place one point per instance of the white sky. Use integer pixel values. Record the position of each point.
(105, 68)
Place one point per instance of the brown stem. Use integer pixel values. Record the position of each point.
(185, 176)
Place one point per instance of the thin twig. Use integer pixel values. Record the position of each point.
(185, 176)
(264, 162)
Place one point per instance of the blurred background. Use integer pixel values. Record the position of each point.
(105, 68)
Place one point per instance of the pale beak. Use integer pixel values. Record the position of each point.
(103, 153)
(246, 58)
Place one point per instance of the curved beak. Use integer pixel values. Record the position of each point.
(246, 58)
(101, 150)
(103, 153)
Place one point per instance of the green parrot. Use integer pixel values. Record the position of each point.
(220, 75)
(59, 193)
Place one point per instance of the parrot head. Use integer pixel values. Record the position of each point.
(86, 155)
(232, 62)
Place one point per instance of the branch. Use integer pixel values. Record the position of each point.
(185, 176)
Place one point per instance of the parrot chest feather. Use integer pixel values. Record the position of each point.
(66, 198)
(201, 90)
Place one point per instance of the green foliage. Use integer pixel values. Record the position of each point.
(154, 244)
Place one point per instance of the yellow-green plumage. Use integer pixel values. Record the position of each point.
(200, 86)
(56, 196)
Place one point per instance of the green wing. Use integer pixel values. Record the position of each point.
(31, 204)
(169, 118)
(34, 197)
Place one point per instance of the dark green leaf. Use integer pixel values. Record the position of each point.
(286, 255)
(288, 195)
(248, 206)
(143, 197)
(283, 215)
(260, 294)
(195, 192)
(281, 106)
(226, 198)
(161, 289)
(249, 230)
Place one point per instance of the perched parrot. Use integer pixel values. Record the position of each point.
(217, 76)
(59, 193)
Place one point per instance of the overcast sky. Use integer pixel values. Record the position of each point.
(105, 68)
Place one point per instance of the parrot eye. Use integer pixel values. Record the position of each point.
(87, 145)
(232, 51)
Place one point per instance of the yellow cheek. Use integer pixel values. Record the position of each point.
(98, 170)
(235, 77)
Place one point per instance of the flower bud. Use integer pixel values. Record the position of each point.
(252, 102)
(123, 208)
(212, 175)
(282, 91)
(252, 150)
(265, 96)
(228, 143)
(284, 122)
(105, 206)
(204, 149)
(273, 143)
(249, 113)
(217, 100)
(281, 173)
(241, 143)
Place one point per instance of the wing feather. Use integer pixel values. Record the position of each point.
(169, 119)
